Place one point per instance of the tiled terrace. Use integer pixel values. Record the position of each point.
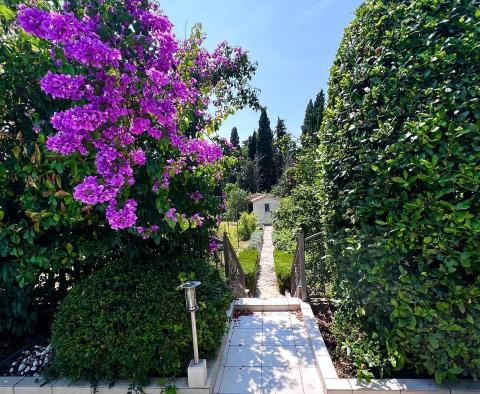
(268, 352)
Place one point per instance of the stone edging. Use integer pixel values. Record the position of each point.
(31, 385)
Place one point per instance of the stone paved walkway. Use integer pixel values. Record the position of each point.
(268, 352)
(267, 282)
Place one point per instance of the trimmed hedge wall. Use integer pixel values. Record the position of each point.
(400, 180)
(283, 269)
(249, 260)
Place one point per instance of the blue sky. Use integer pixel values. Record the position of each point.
(294, 43)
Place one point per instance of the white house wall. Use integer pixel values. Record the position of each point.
(259, 209)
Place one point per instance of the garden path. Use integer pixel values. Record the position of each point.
(267, 282)
(270, 353)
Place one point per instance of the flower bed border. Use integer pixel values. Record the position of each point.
(31, 385)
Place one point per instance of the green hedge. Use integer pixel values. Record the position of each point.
(129, 321)
(400, 180)
(283, 268)
(249, 260)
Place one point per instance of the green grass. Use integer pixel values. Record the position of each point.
(283, 266)
(249, 261)
(231, 229)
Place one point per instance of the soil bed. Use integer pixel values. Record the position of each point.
(343, 364)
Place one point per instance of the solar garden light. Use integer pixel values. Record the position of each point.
(197, 369)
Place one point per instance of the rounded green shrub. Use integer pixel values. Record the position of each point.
(129, 321)
(246, 225)
(400, 186)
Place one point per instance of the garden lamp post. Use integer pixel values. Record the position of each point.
(197, 369)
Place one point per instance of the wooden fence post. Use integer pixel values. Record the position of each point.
(226, 257)
(301, 260)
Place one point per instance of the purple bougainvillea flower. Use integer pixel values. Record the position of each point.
(124, 217)
(138, 90)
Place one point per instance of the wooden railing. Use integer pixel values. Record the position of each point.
(298, 285)
(233, 270)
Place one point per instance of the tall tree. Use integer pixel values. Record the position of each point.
(248, 179)
(308, 126)
(265, 152)
(313, 120)
(234, 138)
(280, 129)
(252, 145)
(319, 107)
(278, 151)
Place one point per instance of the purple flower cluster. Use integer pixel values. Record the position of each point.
(196, 196)
(64, 86)
(197, 219)
(171, 214)
(124, 217)
(135, 92)
(80, 42)
(213, 245)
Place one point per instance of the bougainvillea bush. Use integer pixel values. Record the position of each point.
(104, 146)
(141, 110)
(400, 180)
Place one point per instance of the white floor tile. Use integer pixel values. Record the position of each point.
(278, 336)
(241, 380)
(279, 356)
(244, 356)
(277, 380)
(276, 319)
(246, 336)
(305, 356)
(251, 321)
(301, 336)
(311, 381)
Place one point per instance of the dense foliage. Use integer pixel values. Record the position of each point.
(143, 101)
(237, 201)
(300, 210)
(266, 175)
(247, 225)
(129, 321)
(266, 155)
(123, 113)
(43, 230)
(400, 186)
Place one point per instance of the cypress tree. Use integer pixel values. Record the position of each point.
(278, 152)
(265, 152)
(308, 127)
(234, 138)
(252, 146)
(313, 120)
(280, 129)
(319, 107)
